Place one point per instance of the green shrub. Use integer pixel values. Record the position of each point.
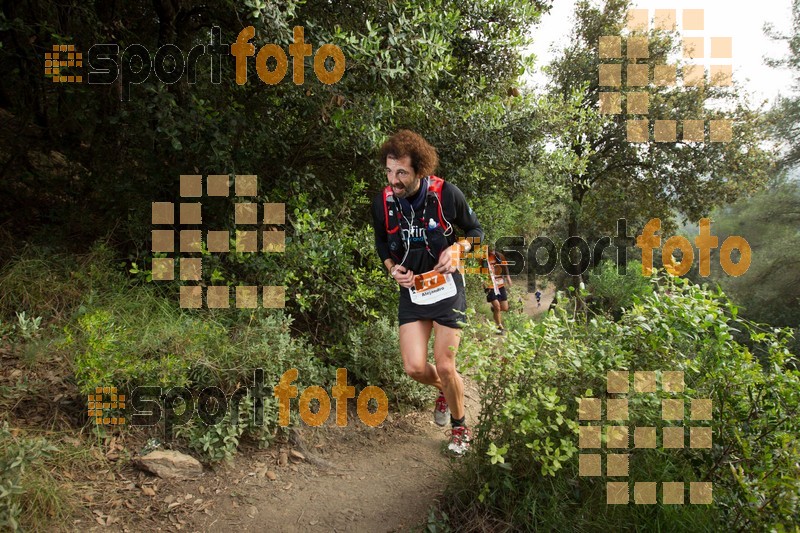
(29, 496)
(141, 340)
(331, 271)
(612, 292)
(137, 338)
(45, 283)
(371, 355)
(524, 468)
(220, 441)
(334, 277)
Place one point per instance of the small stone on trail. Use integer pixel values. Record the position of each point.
(169, 464)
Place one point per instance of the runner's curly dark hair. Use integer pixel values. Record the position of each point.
(424, 158)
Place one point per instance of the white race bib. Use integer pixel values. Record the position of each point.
(432, 287)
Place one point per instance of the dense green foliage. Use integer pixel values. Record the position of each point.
(81, 164)
(613, 292)
(609, 177)
(525, 467)
(770, 290)
(441, 68)
(786, 114)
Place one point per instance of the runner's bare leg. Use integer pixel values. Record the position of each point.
(498, 319)
(414, 338)
(445, 358)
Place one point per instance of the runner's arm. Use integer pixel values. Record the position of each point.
(504, 268)
(403, 276)
(463, 216)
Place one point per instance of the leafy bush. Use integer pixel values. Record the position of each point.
(334, 277)
(220, 441)
(139, 338)
(524, 468)
(136, 338)
(29, 496)
(371, 355)
(612, 292)
(45, 283)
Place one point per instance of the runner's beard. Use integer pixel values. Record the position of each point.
(405, 192)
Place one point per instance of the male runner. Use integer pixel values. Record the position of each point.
(414, 219)
(495, 285)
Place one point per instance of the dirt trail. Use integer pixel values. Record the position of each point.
(364, 479)
(530, 305)
(355, 478)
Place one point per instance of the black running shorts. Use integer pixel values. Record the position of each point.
(491, 296)
(448, 312)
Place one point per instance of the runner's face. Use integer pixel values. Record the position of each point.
(401, 177)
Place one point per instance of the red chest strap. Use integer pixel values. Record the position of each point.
(435, 185)
(388, 196)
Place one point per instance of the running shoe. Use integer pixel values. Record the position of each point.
(441, 413)
(459, 440)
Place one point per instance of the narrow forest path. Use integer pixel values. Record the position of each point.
(355, 478)
(530, 305)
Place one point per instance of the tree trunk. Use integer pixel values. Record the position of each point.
(578, 192)
(572, 231)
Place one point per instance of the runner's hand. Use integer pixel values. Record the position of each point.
(449, 260)
(403, 276)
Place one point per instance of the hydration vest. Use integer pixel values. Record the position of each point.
(392, 218)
